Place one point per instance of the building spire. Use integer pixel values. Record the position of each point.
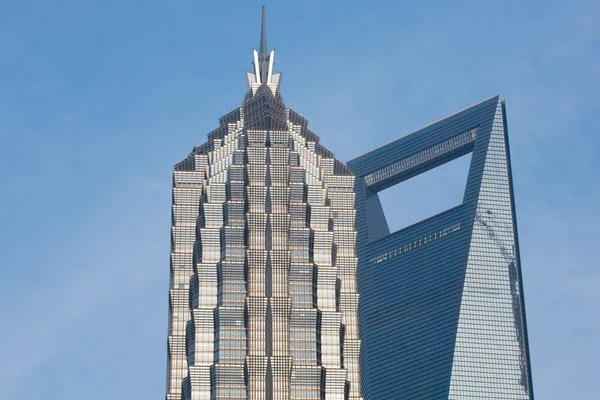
(263, 73)
(264, 48)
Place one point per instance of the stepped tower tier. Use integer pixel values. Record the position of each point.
(263, 299)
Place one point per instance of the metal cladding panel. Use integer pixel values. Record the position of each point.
(441, 312)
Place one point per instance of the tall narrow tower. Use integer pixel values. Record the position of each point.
(263, 300)
(442, 313)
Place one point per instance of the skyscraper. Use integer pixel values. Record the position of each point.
(441, 312)
(267, 228)
(263, 299)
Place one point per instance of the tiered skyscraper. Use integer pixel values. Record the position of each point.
(267, 227)
(263, 299)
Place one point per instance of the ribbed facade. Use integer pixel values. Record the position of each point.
(263, 299)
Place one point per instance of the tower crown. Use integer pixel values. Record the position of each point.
(263, 74)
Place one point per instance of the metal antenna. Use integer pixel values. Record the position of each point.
(264, 48)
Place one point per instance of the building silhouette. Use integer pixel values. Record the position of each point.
(441, 312)
(273, 239)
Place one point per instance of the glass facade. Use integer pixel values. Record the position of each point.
(263, 300)
(441, 312)
(272, 239)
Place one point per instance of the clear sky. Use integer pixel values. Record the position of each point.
(98, 100)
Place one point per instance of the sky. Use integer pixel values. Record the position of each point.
(98, 101)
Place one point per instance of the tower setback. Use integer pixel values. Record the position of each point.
(263, 300)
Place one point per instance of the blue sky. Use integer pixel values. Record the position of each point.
(98, 100)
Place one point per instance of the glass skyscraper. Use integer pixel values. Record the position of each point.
(272, 239)
(263, 300)
(441, 311)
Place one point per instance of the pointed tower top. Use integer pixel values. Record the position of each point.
(263, 74)
(264, 48)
